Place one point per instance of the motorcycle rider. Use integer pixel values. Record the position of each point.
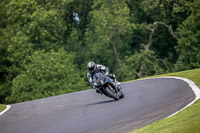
(94, 68)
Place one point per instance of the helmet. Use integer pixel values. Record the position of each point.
(91, 66)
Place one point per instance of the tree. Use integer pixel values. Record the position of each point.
(108, 31)
(31, 25)
(78, 10)
(188, 44)
(140, 64)
(133, 38)
(4, 81)
(47, 74)
(156, 27)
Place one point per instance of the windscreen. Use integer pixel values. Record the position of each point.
(97, 76)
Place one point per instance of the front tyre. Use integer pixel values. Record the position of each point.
(122, 94)
(111, 92)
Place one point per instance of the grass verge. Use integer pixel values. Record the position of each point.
(2, 107)
(186, 121)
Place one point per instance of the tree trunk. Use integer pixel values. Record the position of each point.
(116, 54)
(149, 43)
(174, 34)
(139, 74)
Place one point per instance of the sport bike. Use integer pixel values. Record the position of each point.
(107, 86)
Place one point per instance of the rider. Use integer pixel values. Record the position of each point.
(94, 68)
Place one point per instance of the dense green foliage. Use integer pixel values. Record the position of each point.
(45, 45)
(47, 74)
(189, 42)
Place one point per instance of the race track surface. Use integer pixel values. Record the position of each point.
(88, 112)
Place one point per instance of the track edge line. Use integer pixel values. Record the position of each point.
(5, 110)
(192, 85)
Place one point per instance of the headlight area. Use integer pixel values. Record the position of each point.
(95, 84)
(98, 83)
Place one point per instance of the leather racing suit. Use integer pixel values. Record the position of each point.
(104, 70)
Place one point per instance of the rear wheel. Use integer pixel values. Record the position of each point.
(112, 92)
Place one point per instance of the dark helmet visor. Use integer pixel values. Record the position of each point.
(91, 68)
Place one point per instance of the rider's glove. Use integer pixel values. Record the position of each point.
(107, 73)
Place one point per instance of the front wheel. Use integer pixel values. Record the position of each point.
(111, 92)
(122, 94)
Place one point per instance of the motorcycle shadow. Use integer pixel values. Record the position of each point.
(102, 102)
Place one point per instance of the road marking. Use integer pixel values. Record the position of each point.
(195, 89)
(7, 108)
(192, 85)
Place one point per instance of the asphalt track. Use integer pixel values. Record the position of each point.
(87, 112)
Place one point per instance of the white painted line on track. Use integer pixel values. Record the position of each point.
(7, 108)
(192, 84)
(195, 89)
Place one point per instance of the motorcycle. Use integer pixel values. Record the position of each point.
(107, 86)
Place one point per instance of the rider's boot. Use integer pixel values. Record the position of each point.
(118, 83)
(112, 76)
(98, 91)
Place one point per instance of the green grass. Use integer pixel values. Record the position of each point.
(186, 121)
(2, 107)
